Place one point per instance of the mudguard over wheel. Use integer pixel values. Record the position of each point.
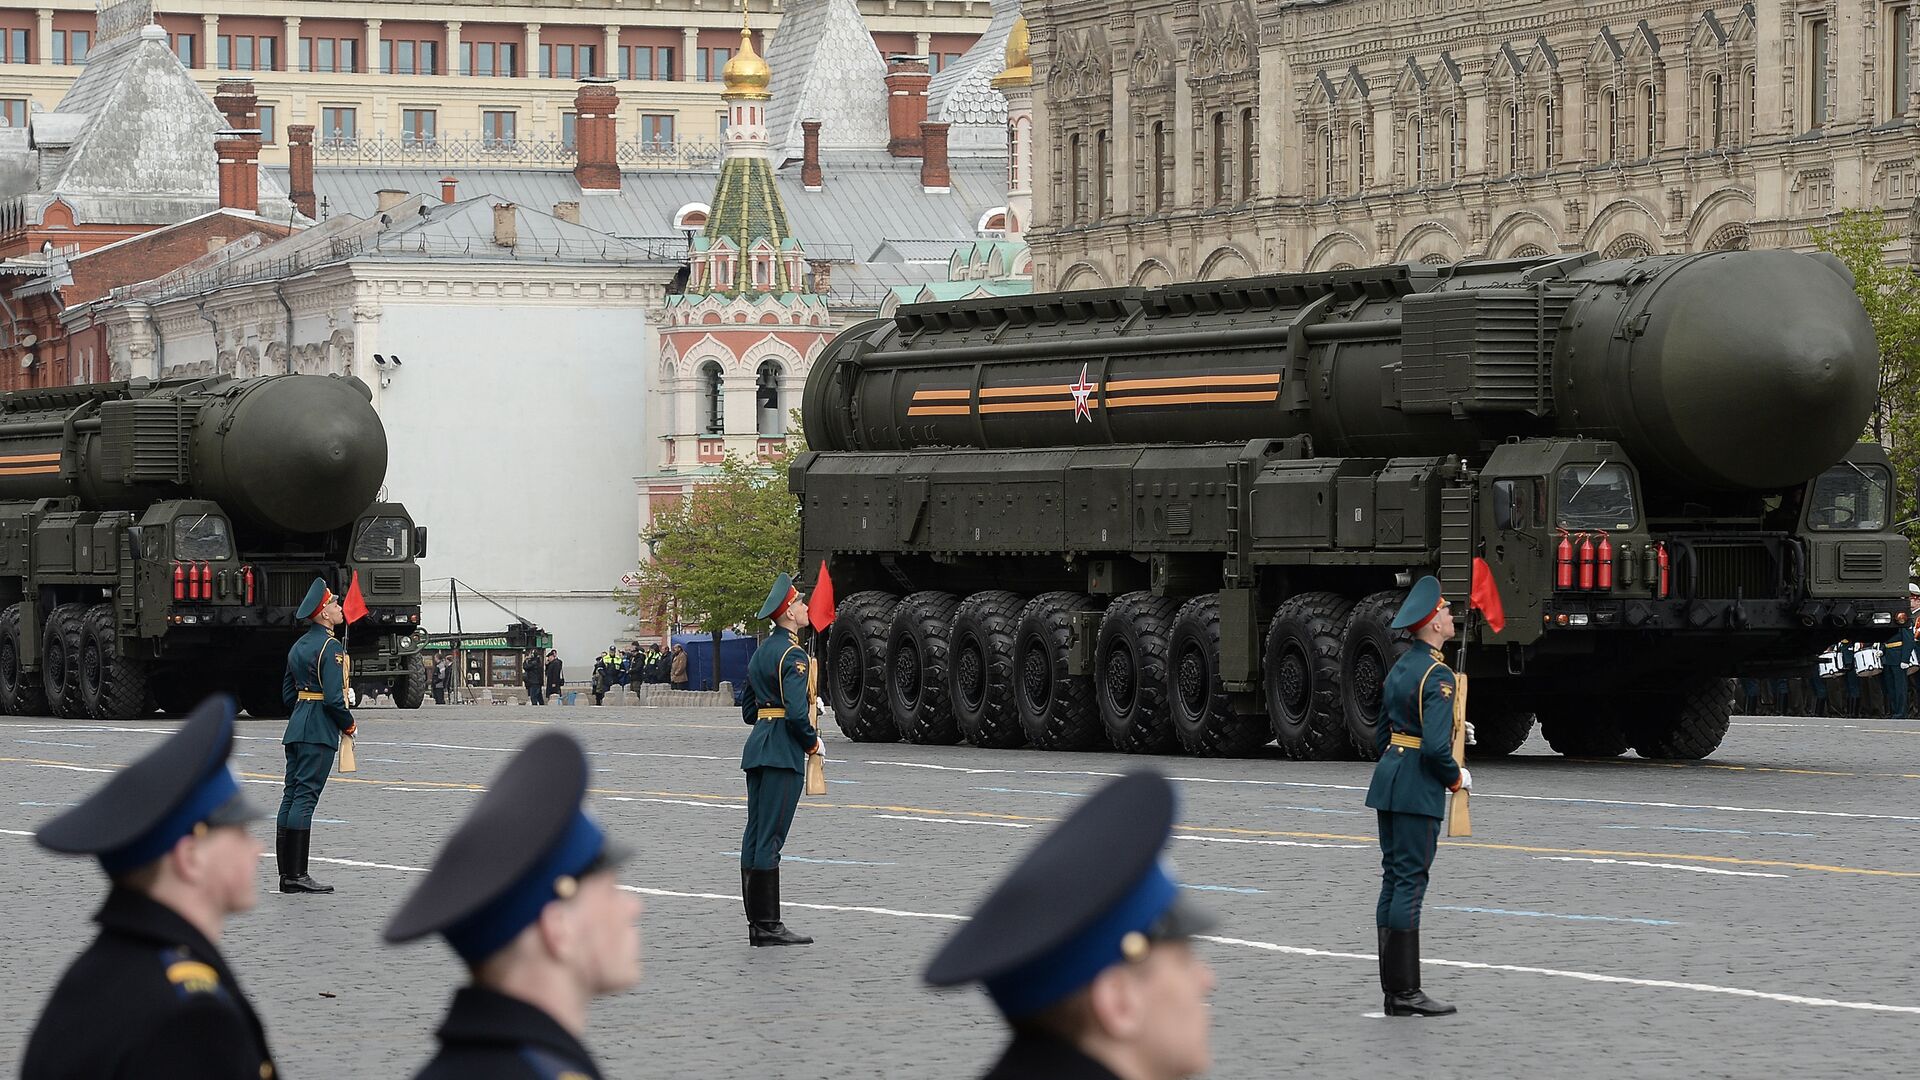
(1303, 677)
(1369, 648)
(856, 675)
(113, 685)
(1687, 727)
(917, 678)
(981, 684)
(60, 661)
(410, 690)
(1056, 709)
(1204, 717)
(21, 692)
(1587, 727)
(1130, 673)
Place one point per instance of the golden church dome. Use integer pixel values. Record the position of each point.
(1019, 70)
(746, 75)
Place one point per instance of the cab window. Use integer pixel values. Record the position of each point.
(1595, 497)
(201, 538)
(1849, 498)
(383, 539)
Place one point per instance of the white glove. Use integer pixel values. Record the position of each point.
(1470, 733)
(1466, 779)
(819, 744)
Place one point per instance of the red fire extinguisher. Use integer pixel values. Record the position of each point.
(1666, 580)
(1604, 553)
(1563, 563)
(1586, 561)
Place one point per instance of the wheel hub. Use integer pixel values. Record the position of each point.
(1190, 674)
(1120, 677)
(968, 675)
(1292, 678)
(846, 677)
(1036, 678)
(906, 675)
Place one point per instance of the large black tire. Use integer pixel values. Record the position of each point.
(259, 694)
(60, 661)
(1687, 727)
(410, 690)
(1583, 727)
(857, 667)
(1501, 724)
(1203, 714)
(1303, 677)
(981, 687)
(1056, 709)
(21, 693)
(1369, 647)
(917, 677)
(1130, 673)
(113, 685)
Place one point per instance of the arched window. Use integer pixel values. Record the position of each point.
(1451, 124)
(1249, 138)
(1102, 159)
(1513, 136)
(1610, 116)
(1549, 133)
(1076, 165)
(1417, 148)
(1650, 110)
(714, 396)
(1326, 160)
(1359, 149)
(1222, 161)
(766, 398)
(1753, 106)
(1162, 167)
(1716, 104)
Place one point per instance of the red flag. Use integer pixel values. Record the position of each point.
(1486, 596)
(820, 604)
(353, 606)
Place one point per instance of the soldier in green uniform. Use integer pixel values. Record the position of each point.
(781, 688)
(1893, 673)
(1408, 791)
(315, 689)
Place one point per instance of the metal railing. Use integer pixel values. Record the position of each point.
(470, 150)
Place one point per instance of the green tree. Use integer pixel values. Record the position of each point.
(717, 551)
(1891, 295)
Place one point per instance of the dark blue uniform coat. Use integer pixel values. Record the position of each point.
(775, 756)
(1410, 782)
(1893, 677)
(151, 999)
(488, 1035)
(315, 688)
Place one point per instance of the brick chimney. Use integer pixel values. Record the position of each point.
(506, 226)
(933, 164)
(238, 152)
(596, 163)
(387, 198)
(822, 275)
(810, 178)
(567, 211)
(235, 99)
(448, 185)
(907, 82)
(300, 168)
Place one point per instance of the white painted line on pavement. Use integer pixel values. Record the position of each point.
(675, 802)
(954, 821)
(1264, 946)
(67, 768)
(1659, 866)
(1267, 843)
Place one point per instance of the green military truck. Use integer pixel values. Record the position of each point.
(155, 539)
(1182, 517)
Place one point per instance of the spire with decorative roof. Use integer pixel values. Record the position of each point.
(748, 245)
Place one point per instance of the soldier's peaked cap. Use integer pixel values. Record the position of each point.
(1093, 894)
(1423, 601)
(317, 596)
(146, 808)
(778, 597)
(527, 842)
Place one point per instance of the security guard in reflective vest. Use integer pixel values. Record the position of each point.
(1415, 771)
(315, 688)
(780, 682)
(1085, 948)
(152, 996)
(524, 892)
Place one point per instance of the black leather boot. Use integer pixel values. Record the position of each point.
(1404, 996)
(283, 857)
(1386, 971)
(298, 841)
(763, 912)
(746, 898)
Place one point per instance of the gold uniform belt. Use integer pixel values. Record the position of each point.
(1409, 742)
(312, 695)
(778, 712)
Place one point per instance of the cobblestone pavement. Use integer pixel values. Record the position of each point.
(1749, 915)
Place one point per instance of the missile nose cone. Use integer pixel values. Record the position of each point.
(307, 453)
(1767, 366)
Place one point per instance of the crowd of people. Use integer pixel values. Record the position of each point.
(1870, 679)
(544, 676)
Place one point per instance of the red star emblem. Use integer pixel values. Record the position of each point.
(1082, 392)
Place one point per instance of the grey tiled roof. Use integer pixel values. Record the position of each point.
(826, 67)
(963, 94)
(869, 198)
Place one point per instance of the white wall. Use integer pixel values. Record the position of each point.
(514, 433)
